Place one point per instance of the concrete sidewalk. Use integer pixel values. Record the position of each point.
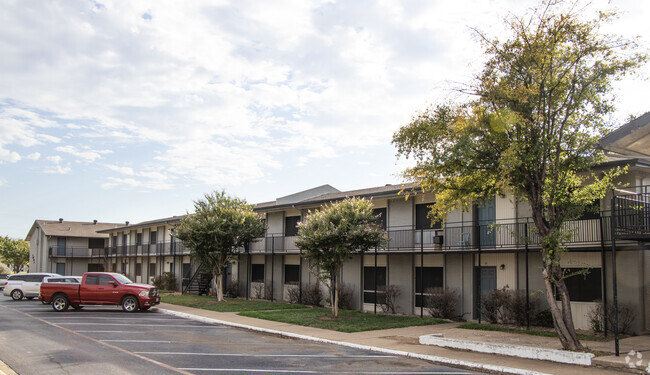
(405, 341)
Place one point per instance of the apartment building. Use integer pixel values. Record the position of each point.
(67, 247)
(492, 246)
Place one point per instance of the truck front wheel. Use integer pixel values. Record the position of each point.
(130, 304)
(60, 303)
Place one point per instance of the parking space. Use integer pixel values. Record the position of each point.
(192, 347)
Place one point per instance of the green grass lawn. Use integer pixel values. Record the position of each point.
(348, 321)
(492, 327)
(230, 304)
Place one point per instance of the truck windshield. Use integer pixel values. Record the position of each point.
(122, 279)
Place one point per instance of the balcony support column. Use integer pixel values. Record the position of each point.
(615, 299)
(603, 273)
(272, 266)
(375, 280)
(527, 280)
(421, 273)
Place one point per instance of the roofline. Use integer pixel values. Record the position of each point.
(315, 201)
(144, 224)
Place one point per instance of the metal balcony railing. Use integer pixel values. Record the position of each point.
(507, 234)
(158, 249)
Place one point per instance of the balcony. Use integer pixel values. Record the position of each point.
(174, 248)
(509, 234)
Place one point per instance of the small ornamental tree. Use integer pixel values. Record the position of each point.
(15, 253)
(333, 234)
(539, 108)
(216, 230)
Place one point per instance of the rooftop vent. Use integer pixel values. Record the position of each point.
(127, 223)
(60, 220)
(95, 221)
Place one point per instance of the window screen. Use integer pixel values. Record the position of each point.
(257, 273)
(584, 288)
(291, 225)
(291, 274)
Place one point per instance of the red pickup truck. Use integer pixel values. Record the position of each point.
(100, 288)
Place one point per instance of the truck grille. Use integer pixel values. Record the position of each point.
(153, 292)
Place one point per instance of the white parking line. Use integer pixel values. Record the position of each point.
(275, 371)
(139, 325)
(341, 356)
(109, 318)
(158, 341)
(110, 331)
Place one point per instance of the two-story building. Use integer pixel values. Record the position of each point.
(492, 246)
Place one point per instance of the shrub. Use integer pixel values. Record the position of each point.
(268, 292)
(346, 297)
(388, 299)
(492, 305)
(515, 308)
(544, 318)
(311, 295)
(258, 290)
(166, 281)
(233, 290)
(441, 303)
(626, 317)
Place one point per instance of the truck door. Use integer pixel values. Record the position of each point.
(98, 290)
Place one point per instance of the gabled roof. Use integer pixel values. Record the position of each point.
(375, 192)
(631, 139)
(62, 228)
(144, 224)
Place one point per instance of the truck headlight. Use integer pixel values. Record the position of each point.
(144, 293)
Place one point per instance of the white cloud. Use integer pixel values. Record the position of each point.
(232, 91)
(34, 156)
(56, 168)
(85, 153)
(123, 170)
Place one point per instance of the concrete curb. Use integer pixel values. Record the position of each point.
(562, 356)
(435, 359)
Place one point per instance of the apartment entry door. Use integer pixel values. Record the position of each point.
(60, 246)
(488, 278)
(486, 216)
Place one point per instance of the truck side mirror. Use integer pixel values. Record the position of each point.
(113, 283)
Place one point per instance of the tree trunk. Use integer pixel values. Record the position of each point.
(219, 286)
(562, 319)
(553, 278)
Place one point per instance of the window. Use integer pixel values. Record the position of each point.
(138, 269)
(92, 280)
(291, 274)
(95, 243)
(432, 278)
(60, 268)
(381, 220)
(369, 282)
(95, 267)
(291, 225)
(584, 287)
(138, 238)
(152, 237)
(152, 269)
(422, 221)
(257, 273)
(35, 278)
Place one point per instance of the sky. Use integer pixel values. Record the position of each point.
(132, 110)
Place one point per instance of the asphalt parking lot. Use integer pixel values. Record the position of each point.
(107, 340)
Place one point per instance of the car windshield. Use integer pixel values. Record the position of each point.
(122, 279)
